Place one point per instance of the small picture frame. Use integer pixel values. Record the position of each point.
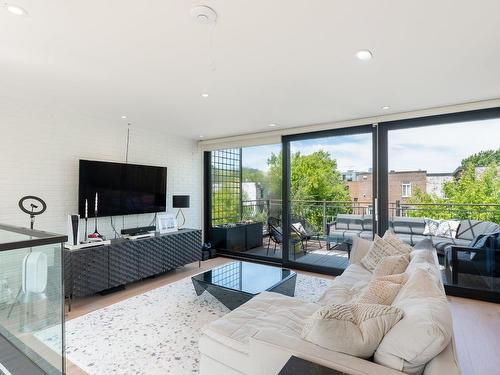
(166, 223)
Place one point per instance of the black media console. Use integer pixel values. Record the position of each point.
(98, 269)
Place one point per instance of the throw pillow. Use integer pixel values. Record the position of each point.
(425, 330)
(299, 228)
(448, 228)
(431, 227)
(354, 329)
(359, 249)
(393, 240)
(379, 249)
(391, 265)
(382, 291)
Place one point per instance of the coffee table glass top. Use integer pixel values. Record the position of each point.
(245, 277)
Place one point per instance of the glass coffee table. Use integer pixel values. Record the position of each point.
(235, 283)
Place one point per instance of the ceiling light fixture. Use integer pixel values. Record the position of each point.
(364, 55)
(204, 95)
(385, 107)
(124, 117)
(272, 125)
(204, 14)
(201, 136)
(16, 10)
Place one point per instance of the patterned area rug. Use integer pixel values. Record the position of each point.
(154, 333)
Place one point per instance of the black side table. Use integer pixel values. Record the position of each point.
(299, 366)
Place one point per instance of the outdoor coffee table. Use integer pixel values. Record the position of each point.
(235, 283)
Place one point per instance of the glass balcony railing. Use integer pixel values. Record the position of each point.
(31, 302)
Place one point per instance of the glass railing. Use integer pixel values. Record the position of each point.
(31, 302)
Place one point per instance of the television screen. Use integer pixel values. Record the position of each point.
(122, 189)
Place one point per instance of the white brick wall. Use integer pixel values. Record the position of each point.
(40, 157)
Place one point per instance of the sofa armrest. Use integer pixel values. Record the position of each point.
(270, 350)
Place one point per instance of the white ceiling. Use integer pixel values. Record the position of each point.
(289, 62)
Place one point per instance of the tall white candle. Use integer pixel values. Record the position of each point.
(86, 209)
(95, 204)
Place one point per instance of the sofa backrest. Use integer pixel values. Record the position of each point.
(368, 223)
(427, 319)
(468, 229)
(349, 222)
(408, 225)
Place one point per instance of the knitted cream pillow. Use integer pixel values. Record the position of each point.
(380, 249)
(393, 240)
(383, 290)
(354, 329)
(391, 265)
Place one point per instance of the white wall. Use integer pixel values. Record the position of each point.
(40, 157)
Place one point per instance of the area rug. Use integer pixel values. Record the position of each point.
(153, 333)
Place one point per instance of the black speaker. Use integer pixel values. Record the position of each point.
(73, 229)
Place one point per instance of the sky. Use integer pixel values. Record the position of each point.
(436, 149)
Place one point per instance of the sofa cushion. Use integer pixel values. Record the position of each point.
(381, 248)
(448, 228)
(469, 229)
(382, 290)
(431, 227)
(354, 329)
(347, 287)
(264, 311)
(427, 321)
(354, 276)
(408, 225)
(391, 265)
(359, 249)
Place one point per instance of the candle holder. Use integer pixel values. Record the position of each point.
(86, 230)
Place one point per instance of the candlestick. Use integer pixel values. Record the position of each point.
(95, 209)
(96, 232)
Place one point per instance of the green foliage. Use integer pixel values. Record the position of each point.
(225, 206)
(313, 177)
(254, 175)
(482, 159)
(472, 187)
(274, 176)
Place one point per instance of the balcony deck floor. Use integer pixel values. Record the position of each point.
(314, 255)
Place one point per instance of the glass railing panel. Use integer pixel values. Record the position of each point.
(31, 307)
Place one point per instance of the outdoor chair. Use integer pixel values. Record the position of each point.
(480, 258)
(308, 233)
(276, 235)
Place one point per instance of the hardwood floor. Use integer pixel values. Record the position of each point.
(476, 324)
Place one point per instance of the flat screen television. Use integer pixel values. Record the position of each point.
(122, 189)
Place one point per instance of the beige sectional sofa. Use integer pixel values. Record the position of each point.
(261, 335)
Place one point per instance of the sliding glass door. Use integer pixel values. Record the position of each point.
(435, 178)
(243, 202)
(441, 181)
(328, 196)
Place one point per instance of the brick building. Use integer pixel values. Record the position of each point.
(401, 185)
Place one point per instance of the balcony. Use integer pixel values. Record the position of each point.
(332, 225)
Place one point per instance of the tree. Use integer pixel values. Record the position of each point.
(472, 187)
(482, 159)
(313, 177)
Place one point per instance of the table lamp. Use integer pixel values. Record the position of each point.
(180, 202)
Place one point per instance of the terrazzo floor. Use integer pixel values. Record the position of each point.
(153, 333)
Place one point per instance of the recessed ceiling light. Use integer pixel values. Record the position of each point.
(204, 95)
(272, 125)
(201, 136)
(364, 55)
(385, 107)
(16, 10)
(124, 117)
